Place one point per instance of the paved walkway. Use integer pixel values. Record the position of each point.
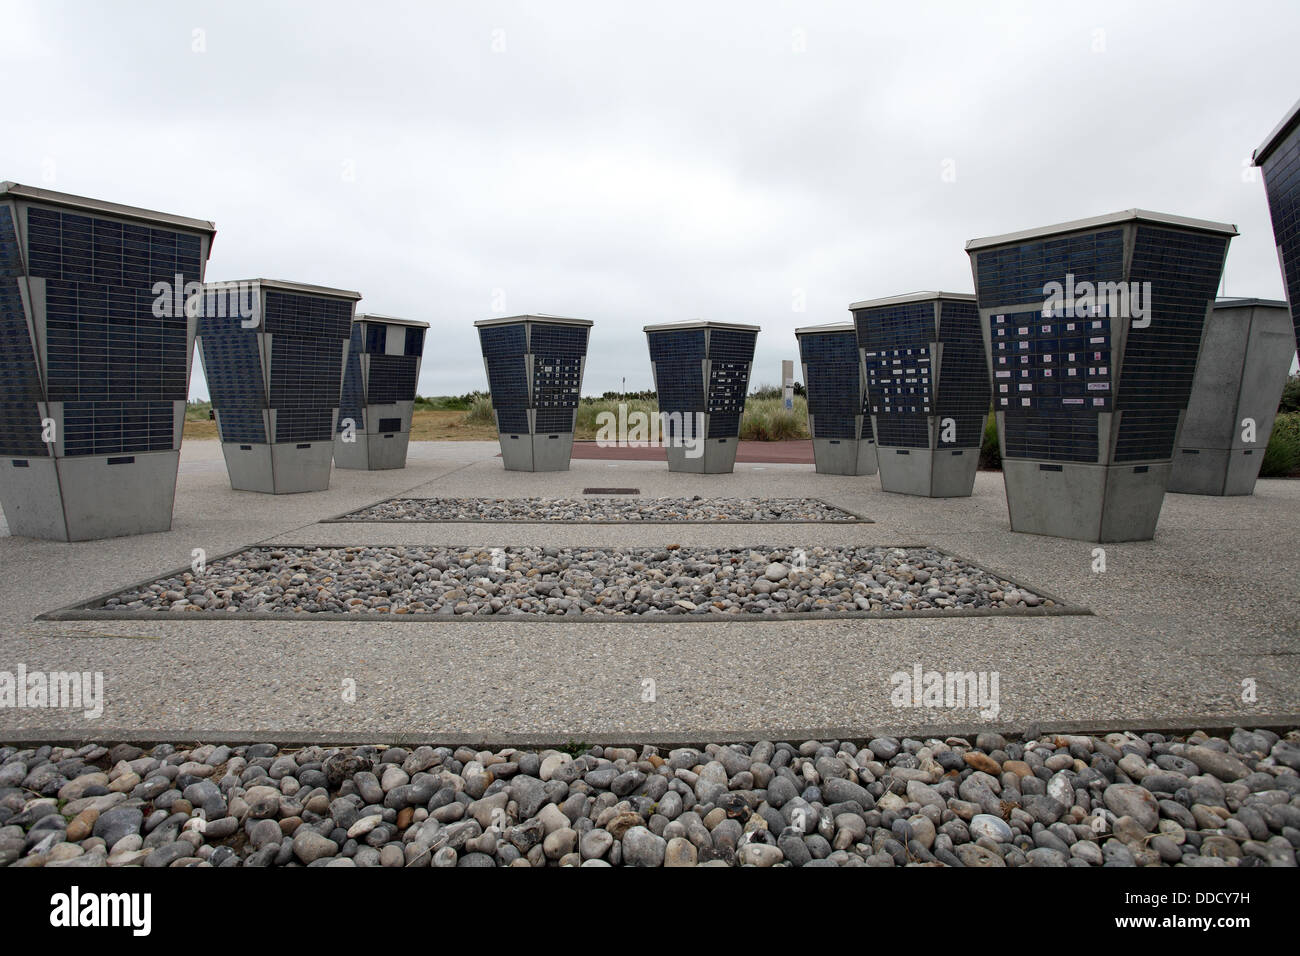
(1182, 623)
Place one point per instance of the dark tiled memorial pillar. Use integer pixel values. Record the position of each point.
(1279, 157)
(379, 385)
(838, 419)
(273, 354)
(95, 346)
(928, 390)
(534, 368)
(1094, 328)
(701, 372)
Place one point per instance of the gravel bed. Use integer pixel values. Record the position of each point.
(582, 582)
(1056, 800)
(603, 510)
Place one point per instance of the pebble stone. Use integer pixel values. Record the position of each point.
(1127, 800)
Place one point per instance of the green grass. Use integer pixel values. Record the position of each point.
(480, 411)
(589, 409)
(445, 403)
(767, 419)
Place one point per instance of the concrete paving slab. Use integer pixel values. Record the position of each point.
(1201, 624)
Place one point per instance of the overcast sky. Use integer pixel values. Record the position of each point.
(637, 163)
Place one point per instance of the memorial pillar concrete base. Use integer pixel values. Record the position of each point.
(1101, 503)
(551, 452)
(718, 457)
(283, 468)
(91, 497)
(867, 458)
(945, 473)
(517, 451)
(1215, 471)
(844, 456)
(379, 452)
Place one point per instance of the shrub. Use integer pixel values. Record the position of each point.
(990, 451)
(453, 403)
(1282, 457)
(766, 392)
(1290, 395)
(767, 419)
(480, 411)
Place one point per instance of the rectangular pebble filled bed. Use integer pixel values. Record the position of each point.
(576, 584)
(599, 510)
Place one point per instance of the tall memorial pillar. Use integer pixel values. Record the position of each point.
(1093, 329)
(95, 348)
(840, 424)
